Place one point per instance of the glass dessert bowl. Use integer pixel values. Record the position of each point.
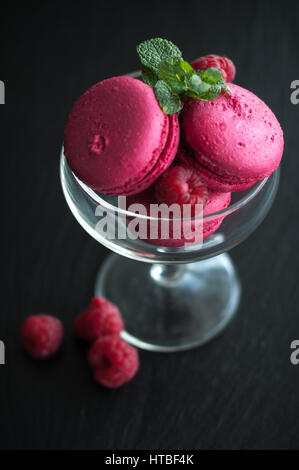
(171, 298)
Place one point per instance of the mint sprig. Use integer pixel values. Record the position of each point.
(173, 79)
(169, 102)
(149, 77)
(154, 51)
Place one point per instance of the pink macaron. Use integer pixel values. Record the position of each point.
(233, 141)
(117, 139)
(216, 202)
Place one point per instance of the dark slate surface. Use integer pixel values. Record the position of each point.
(240, 391)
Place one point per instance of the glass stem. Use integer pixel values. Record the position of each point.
(166, 274)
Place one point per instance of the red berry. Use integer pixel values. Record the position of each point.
(225, 65)
(41, 335)
(181, 184)
(100, 318)
(113, 361)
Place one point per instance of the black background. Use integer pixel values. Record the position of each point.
(239, 391)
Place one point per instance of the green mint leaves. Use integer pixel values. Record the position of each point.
(173, 79)
(169, 102)
(154, 51)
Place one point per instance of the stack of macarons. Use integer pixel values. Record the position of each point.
(118, 141)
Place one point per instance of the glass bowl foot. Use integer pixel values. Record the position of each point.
(171, 307)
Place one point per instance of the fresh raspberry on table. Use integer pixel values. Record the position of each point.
(41, 335)
(100, 318)
(181, 185)
(113, 361)
(225, 65)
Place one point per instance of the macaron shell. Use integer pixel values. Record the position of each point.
(167, 156)
(234, 136)
(115, 134)
(215, 182)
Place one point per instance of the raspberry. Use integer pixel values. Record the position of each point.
(182, 185)
(41, 335)
(113, 361)
(100, 318)
(225, 65)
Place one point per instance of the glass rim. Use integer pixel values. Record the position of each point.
(256, 188)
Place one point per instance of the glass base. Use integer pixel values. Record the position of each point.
(171, 307)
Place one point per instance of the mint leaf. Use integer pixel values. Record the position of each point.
(226, 87)
(211, 85)
(172, 75)
(211, 75)
(194, 83)
(185, 66)
(173, 79)
(204, 87)
(154, 51)
(149, 77)
(176, 69)
(211, 93)
(166, 70)
(169, 102)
